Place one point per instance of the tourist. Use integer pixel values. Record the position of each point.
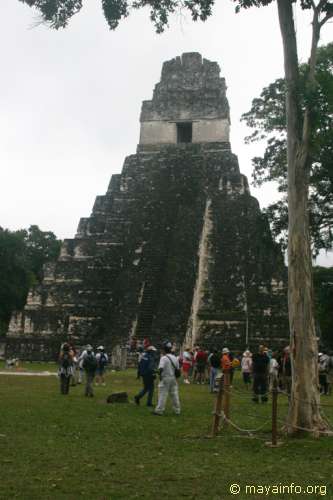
(73, 352)
(323, 368)
(168, 385)
(330, 372)
(260, 370)
(81, 357)
(273, 371)
(195, 368)
(102, 361)
(201, 364)
(246, 367)
(65, 368)
(186, 363)
(214, 361)
(146, 343)
(147, 370)
(89, 365)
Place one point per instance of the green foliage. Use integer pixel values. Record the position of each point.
(22, 256)
(15, 277)
(268, 119)
(323, 286)
(57, 13)
(41, 247)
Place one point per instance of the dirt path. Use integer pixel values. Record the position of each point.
(28, 374)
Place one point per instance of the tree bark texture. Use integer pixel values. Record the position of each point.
(304, 410)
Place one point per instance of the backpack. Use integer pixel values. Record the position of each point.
(90, 363)
(66, 361)
(102, 360)
(177, 370)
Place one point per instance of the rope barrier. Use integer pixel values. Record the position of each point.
(248, 431)
(285, 426)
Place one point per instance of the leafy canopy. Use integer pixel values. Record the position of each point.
(22, 256)
(57, 13)
(267, 118)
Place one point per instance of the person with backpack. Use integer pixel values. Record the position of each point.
(89, 365)
(169, 372)
(146, 370)
(65, 368)
(102, 361)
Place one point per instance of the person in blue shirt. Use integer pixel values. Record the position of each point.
(147, 370)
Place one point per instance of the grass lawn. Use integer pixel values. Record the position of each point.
(71, 447)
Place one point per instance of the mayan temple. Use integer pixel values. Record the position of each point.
(177, 248)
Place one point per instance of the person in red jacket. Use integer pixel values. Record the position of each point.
(201, 362)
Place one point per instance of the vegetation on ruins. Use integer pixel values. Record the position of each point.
(300, 116)
(267, 118)
(22, 256)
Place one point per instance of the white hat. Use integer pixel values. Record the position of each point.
(100, 348)
(151, 348)
(89, 347)
(225, 350)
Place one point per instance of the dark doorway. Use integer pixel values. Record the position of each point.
(184, 132)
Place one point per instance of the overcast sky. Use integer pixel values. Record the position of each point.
(70, 100)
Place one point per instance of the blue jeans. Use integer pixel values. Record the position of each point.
(212, 378)
(148, 387)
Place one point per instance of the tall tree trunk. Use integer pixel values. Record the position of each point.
(304, 411)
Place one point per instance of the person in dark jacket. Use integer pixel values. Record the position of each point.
(65, 368)
(214, 360)
(146, 370)
(260, 371)
(89, 365)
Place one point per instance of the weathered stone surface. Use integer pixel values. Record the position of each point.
(177, 247)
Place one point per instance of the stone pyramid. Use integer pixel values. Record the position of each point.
(176, 249)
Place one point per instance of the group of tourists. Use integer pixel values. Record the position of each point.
(267, 368)
(72, 365)
(263, 369)
(201, 366)
(167, 369)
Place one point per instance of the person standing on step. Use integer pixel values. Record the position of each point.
(102, 361)
(89, 365)
(146, 370)
(168, 370)
(65, 368)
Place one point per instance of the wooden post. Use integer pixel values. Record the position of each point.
(226, 396)
(218, 407)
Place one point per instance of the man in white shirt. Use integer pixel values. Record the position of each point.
(168, 383)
